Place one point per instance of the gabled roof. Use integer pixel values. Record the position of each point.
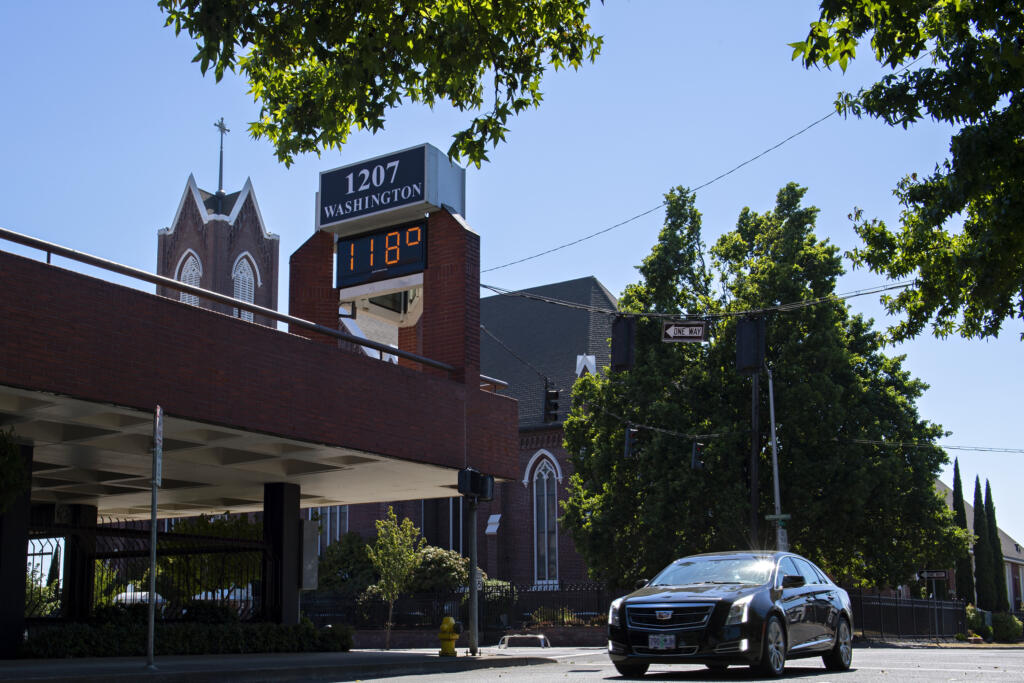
(1013, 551)
(206, 203)
(540, 339)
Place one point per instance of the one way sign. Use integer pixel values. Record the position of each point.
(683, 331)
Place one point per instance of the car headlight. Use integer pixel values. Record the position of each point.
(739, 611)
(613, 612)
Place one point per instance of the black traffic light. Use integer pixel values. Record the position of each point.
(550, 405)
(476, 484)
(632, 441)
(623, 342)
(697, 456)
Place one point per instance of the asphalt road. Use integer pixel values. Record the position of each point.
(869, 664)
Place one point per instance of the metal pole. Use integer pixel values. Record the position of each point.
(755, 492)
(781, 541)
(473, 577)
(158, 447)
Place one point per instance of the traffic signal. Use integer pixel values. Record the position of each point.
(697, 456)
(476, 484)
(632, 441)
(550, 405)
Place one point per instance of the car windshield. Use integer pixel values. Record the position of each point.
(745, 570)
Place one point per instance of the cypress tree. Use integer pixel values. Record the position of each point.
(982, 552)
(964, 570)
(999, 595)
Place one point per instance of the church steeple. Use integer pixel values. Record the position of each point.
(219, 125)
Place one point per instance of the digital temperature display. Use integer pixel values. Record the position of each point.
(382, 254)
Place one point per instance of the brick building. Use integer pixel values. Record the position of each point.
(524, 342)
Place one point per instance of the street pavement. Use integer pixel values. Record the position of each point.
(306, 666)
(880, 661)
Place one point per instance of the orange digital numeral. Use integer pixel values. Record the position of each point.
(408, 241)
(391, 251)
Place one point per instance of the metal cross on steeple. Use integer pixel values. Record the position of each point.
(219, 125)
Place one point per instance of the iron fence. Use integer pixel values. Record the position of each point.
(194, 570)
(895, 617)
(501, 606)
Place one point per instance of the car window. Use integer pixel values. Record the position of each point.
(821, 574)
(810, 576)
(743, 570)
(786, 566)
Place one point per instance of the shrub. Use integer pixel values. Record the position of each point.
(125, 639)
(1006, 628)
(975, 618)
(440, 571)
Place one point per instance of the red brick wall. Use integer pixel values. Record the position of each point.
(70, 334)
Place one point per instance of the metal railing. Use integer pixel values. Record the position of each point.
(170, 283)
(194, 571)
(895, 617)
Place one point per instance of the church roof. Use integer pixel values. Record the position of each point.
(540, 339)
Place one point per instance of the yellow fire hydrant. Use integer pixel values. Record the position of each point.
(448, 637)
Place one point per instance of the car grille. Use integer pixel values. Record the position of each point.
(680, 616)
(685, 650)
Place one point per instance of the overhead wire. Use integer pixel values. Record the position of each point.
(695, 189)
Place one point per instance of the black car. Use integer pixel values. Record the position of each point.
(747, 607)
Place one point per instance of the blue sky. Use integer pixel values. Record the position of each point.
(105, 116)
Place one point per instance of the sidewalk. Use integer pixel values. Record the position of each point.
(307, 666)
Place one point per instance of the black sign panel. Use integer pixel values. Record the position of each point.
(382, 254)
(382, 184)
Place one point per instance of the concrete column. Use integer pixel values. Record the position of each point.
(13, 552)
(281, 560)
(79, 560)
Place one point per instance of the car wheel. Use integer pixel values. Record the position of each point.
(773, 649)
(841, 654)
(631, 669)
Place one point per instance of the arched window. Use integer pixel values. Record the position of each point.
(190, 273)
(245, 286)
(545, 523)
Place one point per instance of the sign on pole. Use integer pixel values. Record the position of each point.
(684, 331)
(928, 574)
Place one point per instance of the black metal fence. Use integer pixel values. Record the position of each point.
(113, 558)
(502, 606)
(893, 617)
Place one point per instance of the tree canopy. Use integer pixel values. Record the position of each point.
(857, 462)
(964, 567)
(395, 554)
(323, 68)
(960, 62)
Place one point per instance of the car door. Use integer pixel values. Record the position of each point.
(819, 603)
(797, 603)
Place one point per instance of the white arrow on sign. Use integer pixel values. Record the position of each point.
(682, 332)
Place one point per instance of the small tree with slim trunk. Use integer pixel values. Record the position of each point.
(395, 556)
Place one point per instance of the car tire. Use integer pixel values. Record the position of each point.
(631, 669)
(773, 649)
(841, 654)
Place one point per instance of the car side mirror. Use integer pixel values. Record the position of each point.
(640, 583)
(793, 581)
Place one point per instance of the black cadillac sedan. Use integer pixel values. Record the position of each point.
(753, 608)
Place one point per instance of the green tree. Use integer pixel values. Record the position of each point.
(345, 567)
(839, 401)
(961, 62)
(1001, 601)
(322, 68)
(964, 570)
(982, 552)
(395, 555)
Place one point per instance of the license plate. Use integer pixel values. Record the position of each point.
(661, 641)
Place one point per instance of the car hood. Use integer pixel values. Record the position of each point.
(697, 591)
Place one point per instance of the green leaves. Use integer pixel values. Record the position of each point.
(959, 231)
(840, 402)
(321, 69)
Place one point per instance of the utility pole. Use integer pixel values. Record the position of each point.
(781, 538)
(750, 333)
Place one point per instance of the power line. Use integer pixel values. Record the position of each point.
(699, 187)
(780, 308)
(948, 447)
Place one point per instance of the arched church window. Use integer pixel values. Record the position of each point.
(190, 273)
(244, 286)
(545, 523)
